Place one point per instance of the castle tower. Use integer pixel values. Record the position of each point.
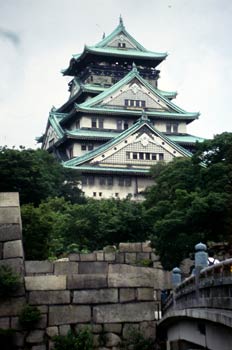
(117, 123)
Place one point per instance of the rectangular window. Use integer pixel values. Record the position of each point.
(127, 155)
(135, 155)
(126, 102)
(102, 181)
(147, 156)
(83, 147)
(77, 124)
(143, 104)
(137, 103)
(94, 194)
(141, 155)
(101, 123)
(94, 122)
(161, 156)
(127, 181)
(175, 127)
(90, 147)
(71, 152)
(100, 194)
(116, 194)
(126, 125)
(110, 181)
(168, 128)
(90, 180)
(84, 180)
(153, 156)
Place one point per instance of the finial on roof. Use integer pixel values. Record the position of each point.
(53, 109)
(134, 67)
(103, 35)
(121, 20)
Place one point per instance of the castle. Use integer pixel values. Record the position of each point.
(117, 123)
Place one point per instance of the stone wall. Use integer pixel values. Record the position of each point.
(109, 291)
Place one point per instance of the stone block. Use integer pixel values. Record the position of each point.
(12, 306)
(10, 215)
(113, 328)
(10, 232)
(130, 247)
(109, 249)
(52, 331)
(157, 265)
(143, 256)
(145, 294)
(82, 326)
(112, 340)
(97, 328)
(18, 339)
(64, 329)
(74, 257)
(127, 294)
(68, 314)
(15, 323)
(35, 336)
(110, 256)
(121, 275)
(120, 258)
(49, 297)
(129, 329)
(4, 322)
(43, 309)
(9, 199)
(100, 256)
(38, 267)
(132, 312)
(94, 267)
(146, 247)
(130, 258)
(45, 282)
(42, 322)
(148, 329)
(39, 347)
(88, 257)
(65, 268)
(13, 249)
(87, 281)
(1, 250)
(95, 296)
(16, 264)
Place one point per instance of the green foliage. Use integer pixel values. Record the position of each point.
(9, 281)
(36, 175)
(137, 341)
(192, 201)
(144, 262)
(57, 227)
(29, 317)
(81, 341)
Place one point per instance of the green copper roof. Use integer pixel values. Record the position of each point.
(95, 169)
(90, 105)
(167, 94)
(92, 133)
(185, 138)
(54, 121)
(113, 51)
(88, 156)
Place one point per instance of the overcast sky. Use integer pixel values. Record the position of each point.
(38, 37)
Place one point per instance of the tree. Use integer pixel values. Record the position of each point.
(191, 200)
(36, 175)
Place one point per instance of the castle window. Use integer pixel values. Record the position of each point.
(161, 156)
(127, 155)
(168, 128)
(102, 181)
(101, 123)
(135, 155)
(125, 126)
(172, 128)
(135, 103)
(71, 152)
(94, 122)
(90, 147)
(147, 156)
(153, 156)
(141, 155)
(83, 147)
(119, 124)
(100, 194)
(110, 181)
(90, 180)
(175, 128)
(94, 194)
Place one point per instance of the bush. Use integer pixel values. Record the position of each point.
(9, 281)
(81, 341)
(137, 341)
(29, 317)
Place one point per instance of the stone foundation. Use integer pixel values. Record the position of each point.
(108, 291)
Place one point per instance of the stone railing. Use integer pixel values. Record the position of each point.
(211, 288)
(105, 290)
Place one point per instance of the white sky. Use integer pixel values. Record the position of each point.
(38, 37)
